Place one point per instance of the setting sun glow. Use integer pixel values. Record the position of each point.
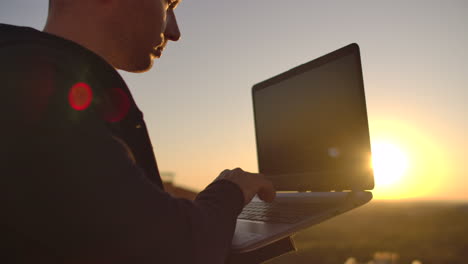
(406, 162)
(389, 162)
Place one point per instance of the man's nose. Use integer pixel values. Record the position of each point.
(172, 31)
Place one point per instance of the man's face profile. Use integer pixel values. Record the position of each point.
(148, 26)
(129, 34)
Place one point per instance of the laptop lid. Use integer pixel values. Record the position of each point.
(311, 125)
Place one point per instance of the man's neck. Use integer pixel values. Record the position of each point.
(83, 33)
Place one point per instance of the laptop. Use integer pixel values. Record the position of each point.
(313, 143)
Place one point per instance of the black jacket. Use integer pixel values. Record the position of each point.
(78, 175)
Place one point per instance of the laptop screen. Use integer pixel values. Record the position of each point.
(311, 125)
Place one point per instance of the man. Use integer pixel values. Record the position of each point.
(79, 178)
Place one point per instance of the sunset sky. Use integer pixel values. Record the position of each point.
(197, 98)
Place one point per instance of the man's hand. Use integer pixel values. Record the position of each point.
(250, 184)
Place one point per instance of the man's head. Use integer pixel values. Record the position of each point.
(129, 34)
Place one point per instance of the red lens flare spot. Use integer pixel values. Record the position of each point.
(80, 96)
(120, 106)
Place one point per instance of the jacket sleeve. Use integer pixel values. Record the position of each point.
(70, 188)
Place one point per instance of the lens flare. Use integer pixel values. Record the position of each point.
(80, 96)
(118, 107)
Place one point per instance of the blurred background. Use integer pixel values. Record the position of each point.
(198, 108)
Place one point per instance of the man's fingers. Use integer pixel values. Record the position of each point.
(250, 184)
(266, 191)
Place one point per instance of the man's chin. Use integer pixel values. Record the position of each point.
(139, 67)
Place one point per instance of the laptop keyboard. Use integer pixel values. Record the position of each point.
(281, 212)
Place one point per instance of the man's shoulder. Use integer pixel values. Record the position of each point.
(26, 51)
(21, 46)
(12, 31)
(40, 70)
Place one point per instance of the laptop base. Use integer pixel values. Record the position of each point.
(253, 235)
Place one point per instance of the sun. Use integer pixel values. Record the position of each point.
(407, 162)
(390, 163)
